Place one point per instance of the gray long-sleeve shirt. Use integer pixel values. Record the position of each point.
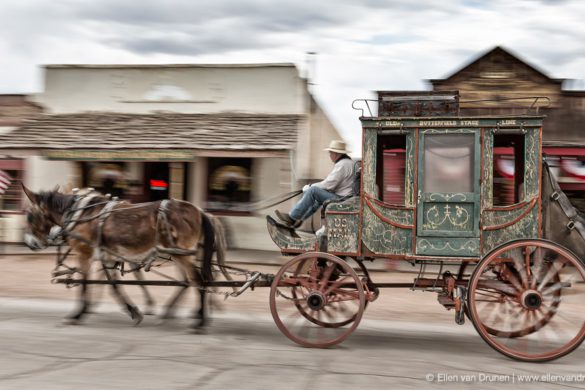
(340, 179)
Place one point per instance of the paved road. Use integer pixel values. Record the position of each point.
(245, 352)
(403, 340)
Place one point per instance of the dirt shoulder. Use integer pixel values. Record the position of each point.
(29, 276)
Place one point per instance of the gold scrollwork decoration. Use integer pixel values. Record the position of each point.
(434, 218)
(467, 246)
(448, 197)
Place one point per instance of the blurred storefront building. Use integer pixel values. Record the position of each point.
(13, 110)
(220, 136)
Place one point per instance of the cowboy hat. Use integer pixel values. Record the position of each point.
(337, 147)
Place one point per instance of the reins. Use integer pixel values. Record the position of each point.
(281, 198)
(256, 206)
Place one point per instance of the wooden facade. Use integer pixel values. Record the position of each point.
(500, 83)
(15, 108)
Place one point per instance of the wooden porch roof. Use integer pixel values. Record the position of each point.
(107, 130)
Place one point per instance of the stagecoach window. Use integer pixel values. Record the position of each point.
(448, 163)
(391, 168)
(508, 169)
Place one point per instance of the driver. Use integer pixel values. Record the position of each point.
(336, 185)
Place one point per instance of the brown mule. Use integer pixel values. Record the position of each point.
(96, 228)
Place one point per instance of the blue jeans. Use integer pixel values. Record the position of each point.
(312, 199)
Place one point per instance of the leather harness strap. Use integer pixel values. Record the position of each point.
(576, 219)
(104, 214)
(162, 219)
(77, 209)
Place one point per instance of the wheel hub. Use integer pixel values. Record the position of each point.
(531, 299)
(316, 300)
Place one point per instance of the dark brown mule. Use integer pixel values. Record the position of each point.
(562, 222)
(95, 228)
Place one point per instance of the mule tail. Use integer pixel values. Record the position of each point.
(220, 246)
(208, 247)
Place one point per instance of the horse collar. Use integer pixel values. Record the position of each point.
(77, 209)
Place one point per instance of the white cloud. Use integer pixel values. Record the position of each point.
(361, 46)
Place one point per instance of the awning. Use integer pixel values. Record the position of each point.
(107, 131)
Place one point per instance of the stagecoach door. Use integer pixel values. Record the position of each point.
(448, 192)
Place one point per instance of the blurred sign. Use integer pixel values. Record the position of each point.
(158, 185)
(121, 155)
(5, 180)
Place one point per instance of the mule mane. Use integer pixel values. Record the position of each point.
(56, 201)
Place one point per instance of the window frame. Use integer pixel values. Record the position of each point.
(15, 168)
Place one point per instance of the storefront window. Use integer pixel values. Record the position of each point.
(133, 181)
(229, 184)
(156, 181)
(106, 177)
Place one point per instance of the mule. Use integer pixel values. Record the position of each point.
(97, 228)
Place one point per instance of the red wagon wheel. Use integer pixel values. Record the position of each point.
(527, 300)
(314, 296)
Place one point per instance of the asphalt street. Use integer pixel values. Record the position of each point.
(406, 340)
(246, 352)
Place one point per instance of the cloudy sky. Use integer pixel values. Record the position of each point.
(360, 45)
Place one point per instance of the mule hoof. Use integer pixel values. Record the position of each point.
(71, 321)
(159, 321)
(201, 330)
(167, 315)
(137, 317)
(201, 323)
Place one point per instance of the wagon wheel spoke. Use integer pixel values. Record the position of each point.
(326, 276)
(553, 288)
(493, 313)
(487, 301)
(518, 259)
(538, 267)
(327, 312)
(491, 294)
(315, 275)
(336, 285)
(518, 284)
(344, 296)
(555, 269)
(547, 311)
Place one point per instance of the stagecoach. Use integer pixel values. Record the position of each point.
(429, 195)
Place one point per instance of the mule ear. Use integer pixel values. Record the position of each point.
(30, 195)
(68, 189)
(57, 188)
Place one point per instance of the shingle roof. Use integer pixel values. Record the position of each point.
(107, 130)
